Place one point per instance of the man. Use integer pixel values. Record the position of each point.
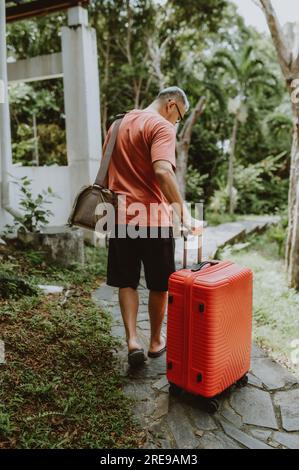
(142, 170)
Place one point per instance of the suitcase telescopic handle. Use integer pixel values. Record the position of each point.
(199, 250)
(200, 264)
(198, 267)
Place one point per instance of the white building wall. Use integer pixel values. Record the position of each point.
(83, 128)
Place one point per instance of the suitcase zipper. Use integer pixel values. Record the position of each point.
(188, 283)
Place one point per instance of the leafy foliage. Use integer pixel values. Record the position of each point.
(44, 102)
(13, 287)
(60, 384)
(194, 187)
(254, 190)
(35, 215)
(208, 51)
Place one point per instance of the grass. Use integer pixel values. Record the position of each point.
(275, 305)
(60, 386)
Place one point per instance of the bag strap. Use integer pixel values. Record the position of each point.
(108, 152)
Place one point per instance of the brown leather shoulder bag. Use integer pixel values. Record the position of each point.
(83, 213)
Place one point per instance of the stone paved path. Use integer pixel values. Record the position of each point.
(262, 415)
(218, 236)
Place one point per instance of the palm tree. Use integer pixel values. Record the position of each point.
(247, 77)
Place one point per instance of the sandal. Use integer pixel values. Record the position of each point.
(156, 354)
(136, 357)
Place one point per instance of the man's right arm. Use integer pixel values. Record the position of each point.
(168, 184)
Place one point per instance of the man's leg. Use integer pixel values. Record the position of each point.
(129, 303)
(156, 308)
(123, 271)
(159, 264)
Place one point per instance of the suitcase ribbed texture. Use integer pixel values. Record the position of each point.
(209, 327)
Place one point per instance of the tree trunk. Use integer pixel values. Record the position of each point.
(292, 245)
(157, 53)
(181, 166)
(287, 47)
(293, 267)
(183, 143)
(230, 180)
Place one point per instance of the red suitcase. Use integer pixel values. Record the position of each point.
(209, 326)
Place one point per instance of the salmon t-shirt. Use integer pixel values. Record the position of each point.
(143, 138)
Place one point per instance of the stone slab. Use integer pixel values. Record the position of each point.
(255, 407)
(291, 441)
(243, 438)
(288, 402)
(271, 374)
(181, 428)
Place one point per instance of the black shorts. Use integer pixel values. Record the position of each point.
(126, 254)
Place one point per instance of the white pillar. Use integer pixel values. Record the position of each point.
(82, 101)
(5, 135)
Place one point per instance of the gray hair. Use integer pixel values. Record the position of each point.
(176, 93)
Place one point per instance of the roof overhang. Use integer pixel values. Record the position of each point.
(23, 9)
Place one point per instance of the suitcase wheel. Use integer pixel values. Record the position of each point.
(242, 382)
(213, 405)
(175, 389)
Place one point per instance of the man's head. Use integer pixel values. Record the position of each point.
(172, 104)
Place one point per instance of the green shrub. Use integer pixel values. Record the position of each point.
(12, 286)
(35, 215)
(194, 184)
(278, 233)
(258, 188)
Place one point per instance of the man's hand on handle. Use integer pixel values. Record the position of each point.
(192, 226)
